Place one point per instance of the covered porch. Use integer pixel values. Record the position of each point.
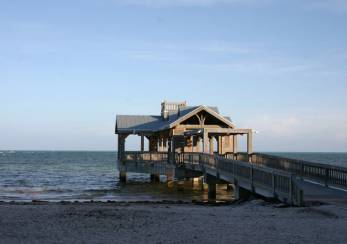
(220, 141)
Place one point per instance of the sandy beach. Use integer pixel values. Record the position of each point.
(248, 222)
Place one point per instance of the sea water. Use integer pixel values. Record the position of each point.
(85, 176)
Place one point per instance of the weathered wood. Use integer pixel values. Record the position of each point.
(142, 143)
(185, 131)
(248, 177)
(250, 142)
(235, 144)
(324, 174)
(206, 142)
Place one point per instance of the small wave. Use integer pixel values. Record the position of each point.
(33, 190)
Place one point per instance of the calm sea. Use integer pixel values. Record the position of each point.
(85, 176)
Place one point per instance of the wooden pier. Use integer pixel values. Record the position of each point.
(199, 142)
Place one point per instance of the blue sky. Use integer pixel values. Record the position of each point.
(68, 67)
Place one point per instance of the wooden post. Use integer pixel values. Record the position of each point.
(211, 145)
(206, 142)
(121, 145)
(250, 143)
(170, 156)
(153, 144)
(220, 143)
(122, 176)
(212, 191)
(235, 144)
(198, 141)
(231, 143)
(142, 143)
(160, 141)
(155, 178)
(170, 180)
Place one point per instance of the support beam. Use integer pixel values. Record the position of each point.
(155, 178)
(241, 193)
(212, 191)
(211, 145)
(153, 144)
(142, 143)
(198, 142)
(121, 145)
(165, 140)
(170, 144)
(212, 187)
(170, 180)
(235, 144)
(206, 142)
(122, 176)
(220, 144)
(231, 143)
(250, 143)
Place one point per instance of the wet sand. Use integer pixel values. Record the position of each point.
(248, 222)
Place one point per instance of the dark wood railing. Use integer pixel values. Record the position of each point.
(145, 156)
(325, 174)
(279, 183)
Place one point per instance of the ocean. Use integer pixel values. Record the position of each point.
(84, 176)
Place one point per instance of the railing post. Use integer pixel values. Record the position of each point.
(273, 183)
(326, 179)
(302, 171)
(291, 189)
(252, 183)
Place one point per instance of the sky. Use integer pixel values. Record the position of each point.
(68, 67)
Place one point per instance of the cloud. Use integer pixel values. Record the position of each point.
(295, 131)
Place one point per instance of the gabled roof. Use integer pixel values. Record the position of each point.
(150, 123)
(199, 109)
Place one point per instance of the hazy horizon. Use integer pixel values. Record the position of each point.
(67, 68)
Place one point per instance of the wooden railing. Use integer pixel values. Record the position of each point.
(257, 179)
(145, 156)
(321, 173)
(276, 182)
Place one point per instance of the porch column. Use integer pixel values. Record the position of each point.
(220, 145)
(231, 143)
(161, 144)
(142, 143)
(211, 145)
(153, 144)
(169, 151)
(250, 142)
(235, 143)
(206, 142)
(169, 145)
(198, 140)
(121, 145)
(165, 144)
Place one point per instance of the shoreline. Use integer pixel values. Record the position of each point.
(121, 203)
(254, 221)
